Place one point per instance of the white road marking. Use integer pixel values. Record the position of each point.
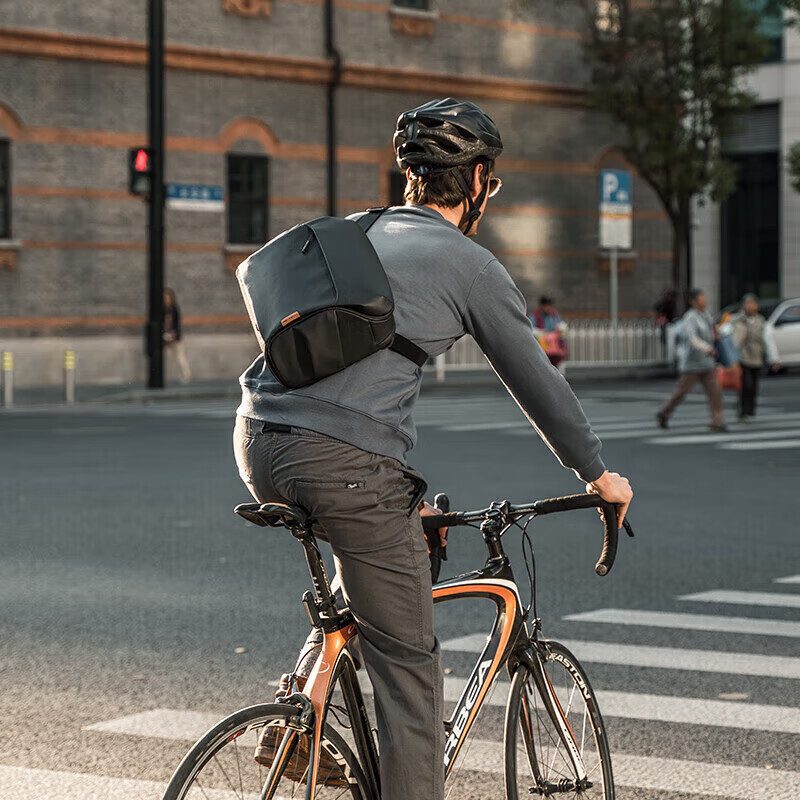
(788, 579)
(663, 708)
(746, 598)
(671, 775)
(161, 723)
(22, 783)
(691, 622)
(780, 444)
(661, 657)
(642, 772)
(720, 438)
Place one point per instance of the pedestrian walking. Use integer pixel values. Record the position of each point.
(549, 330)
(666, 311)
(756, 346)
(696, 361)
(173, 339)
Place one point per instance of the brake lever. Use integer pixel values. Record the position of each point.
(628, 528)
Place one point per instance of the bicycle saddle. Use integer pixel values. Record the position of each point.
(273, 515)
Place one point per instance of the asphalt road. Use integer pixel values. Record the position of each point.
(128, 586)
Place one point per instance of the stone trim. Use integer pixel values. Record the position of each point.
(248, 8)
(9, 253)
(48, 44)
(120, 321)
(234, 254)
(412, 22)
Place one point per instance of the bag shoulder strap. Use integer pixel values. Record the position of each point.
(367, 220)
(405, 347)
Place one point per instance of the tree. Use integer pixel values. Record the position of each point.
(793, 165)
(669, 73)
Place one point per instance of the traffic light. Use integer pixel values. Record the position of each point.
(139, 171)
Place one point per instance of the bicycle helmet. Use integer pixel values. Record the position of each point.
(444, 134)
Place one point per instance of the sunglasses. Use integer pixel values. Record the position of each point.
(495, 185)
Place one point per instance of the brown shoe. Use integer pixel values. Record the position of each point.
(271, 737)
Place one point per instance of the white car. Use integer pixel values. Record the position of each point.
(784, 324)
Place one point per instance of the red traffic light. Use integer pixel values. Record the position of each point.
(139, 166)
(142, 161)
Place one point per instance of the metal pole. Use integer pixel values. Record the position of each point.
(336, 75)
(155, 312)
(8, 379)
(69, 377)
(613, 292)
(439, 368)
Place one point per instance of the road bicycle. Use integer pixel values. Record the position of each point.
(554, 741)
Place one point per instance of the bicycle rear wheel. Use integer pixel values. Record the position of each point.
(220, 766)
(537, 762)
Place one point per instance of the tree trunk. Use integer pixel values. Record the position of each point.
(680, 256)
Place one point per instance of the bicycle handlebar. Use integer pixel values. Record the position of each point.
(552, 506)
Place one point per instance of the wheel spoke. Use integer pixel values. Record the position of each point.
(551, 751)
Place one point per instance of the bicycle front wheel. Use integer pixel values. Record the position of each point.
(221, 766)
(536, 760)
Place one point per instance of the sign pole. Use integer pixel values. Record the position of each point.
(155, 310)
(613, 294)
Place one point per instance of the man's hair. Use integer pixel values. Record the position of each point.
(544, 300)
(443, 189)
(694, 294)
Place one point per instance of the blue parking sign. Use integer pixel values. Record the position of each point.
(615, 186)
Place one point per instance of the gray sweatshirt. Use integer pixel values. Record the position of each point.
(444, 286)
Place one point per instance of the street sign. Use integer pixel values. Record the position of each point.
(195, 197)
(616, 209)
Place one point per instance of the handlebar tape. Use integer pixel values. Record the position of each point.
(611, 532)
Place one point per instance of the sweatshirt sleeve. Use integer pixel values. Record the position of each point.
(495, 317)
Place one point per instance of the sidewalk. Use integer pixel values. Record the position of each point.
(455, 381)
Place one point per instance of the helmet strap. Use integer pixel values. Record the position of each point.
(472, 212)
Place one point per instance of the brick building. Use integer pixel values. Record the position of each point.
(246, 97)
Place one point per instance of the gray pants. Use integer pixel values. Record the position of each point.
(366, 507)
(685, 383)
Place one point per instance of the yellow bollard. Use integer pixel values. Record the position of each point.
(69, 377)
(8, 379)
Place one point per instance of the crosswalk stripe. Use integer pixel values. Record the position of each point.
(662, 708)
(161, 723)
(788, 579)
(690, 622)
(731, 781)
(719, 438)
(782, 444)
(661, 657)
(641, 772)
(22, 783)
(745, 598)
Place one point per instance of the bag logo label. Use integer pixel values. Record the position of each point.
(291, 318)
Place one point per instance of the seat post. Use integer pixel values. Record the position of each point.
(326, 601)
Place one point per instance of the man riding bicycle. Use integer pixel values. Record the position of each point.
(338, 448)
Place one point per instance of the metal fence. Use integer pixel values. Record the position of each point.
(638, 342)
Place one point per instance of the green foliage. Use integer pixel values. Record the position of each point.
(669, 73)
(793, 165)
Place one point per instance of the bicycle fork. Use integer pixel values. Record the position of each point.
(534, 659)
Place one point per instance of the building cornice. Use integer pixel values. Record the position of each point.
(33, 43)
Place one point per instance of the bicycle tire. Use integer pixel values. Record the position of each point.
(523, 740)
(185, 783)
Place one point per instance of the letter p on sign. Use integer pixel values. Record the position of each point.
(610, 186)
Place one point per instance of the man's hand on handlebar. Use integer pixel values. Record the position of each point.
(427, 510)
(613, 488)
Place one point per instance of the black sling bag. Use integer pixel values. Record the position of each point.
(319, 300)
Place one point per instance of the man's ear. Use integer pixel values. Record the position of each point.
(477, 179)
(408, 174)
